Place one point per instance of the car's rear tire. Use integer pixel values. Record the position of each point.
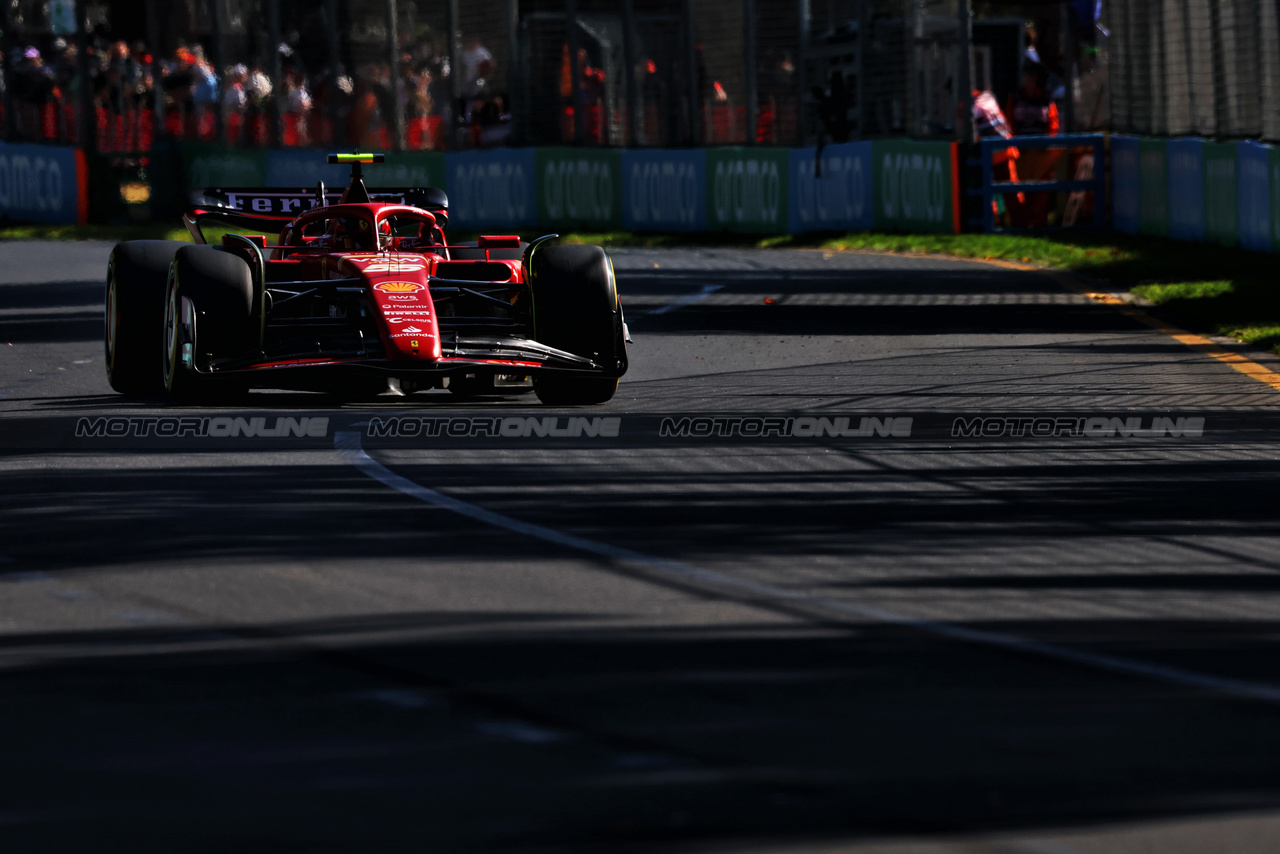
(219, 287)
(575, 308)
(134, 309)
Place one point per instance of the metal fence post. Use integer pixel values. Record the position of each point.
(393, 62)
(964, 73)
(157, 83)
(455, 69)
(577, 96)
(750, 71)
(864, 44)
(1069, 68)
(277, 87)
(693, 84)
(216, 58)
(515, 95)
(6, 68)
(1189, 58)
(335, 69)
(802, 83)
(629, 61)
(85, 126)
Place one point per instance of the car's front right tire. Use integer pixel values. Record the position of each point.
(576, 309)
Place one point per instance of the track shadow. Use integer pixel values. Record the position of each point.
(527, 737)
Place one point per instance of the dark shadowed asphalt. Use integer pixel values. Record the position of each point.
(1026, 600)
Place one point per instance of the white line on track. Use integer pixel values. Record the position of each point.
(349, 447)
(706, 291)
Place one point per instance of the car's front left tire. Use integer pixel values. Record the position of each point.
(208, 315)
(134, 303)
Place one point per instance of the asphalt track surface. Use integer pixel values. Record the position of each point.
(918, 636)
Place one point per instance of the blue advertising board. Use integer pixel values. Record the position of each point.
(1253, 195)
(1126, 184)
(40, 183)
(664, 190)
(835, 194)
(1221, 208)
(1186, 189)
(492, 189)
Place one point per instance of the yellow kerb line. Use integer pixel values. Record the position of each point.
(1199, 343)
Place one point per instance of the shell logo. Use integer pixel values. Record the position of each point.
(398, 287)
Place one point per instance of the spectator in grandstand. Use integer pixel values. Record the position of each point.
(60, 123)
(1034, 112)
(833, 108)
(1031, 54)
(477, 70)
(653, 98)
(258, 89)
(33, 91)
(64, 65)
(775, 120)
(259, 86)
(235, 102)
(420, 118)
(989, 122)
(297, 108)
(493, 123)
(178, 81)
(204, 95)
(330, 106)
(590, 84)
(120, 58)
(364, 123)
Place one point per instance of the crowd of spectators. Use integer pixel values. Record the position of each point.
(284, 100)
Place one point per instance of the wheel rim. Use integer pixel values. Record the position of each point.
(171, 345)
(112, 315)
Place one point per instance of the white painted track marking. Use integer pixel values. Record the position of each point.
(349, 447)
(706, 291)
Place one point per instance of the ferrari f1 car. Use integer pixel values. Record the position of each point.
(359, 294)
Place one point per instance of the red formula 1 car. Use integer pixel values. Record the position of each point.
(360, 294)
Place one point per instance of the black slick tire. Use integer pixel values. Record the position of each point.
(137, 273)
(575, 308)
(219, 287)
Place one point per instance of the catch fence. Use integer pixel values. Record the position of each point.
(446, 75)
(1208, 68)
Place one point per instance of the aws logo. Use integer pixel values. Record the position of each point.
(398, 287)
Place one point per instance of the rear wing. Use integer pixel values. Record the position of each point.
(287, 203)
(272, 209)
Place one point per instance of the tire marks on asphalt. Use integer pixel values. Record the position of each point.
(348, 445)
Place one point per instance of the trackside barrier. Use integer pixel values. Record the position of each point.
(1187, 189)
(44, 183)
(664, 190)
(1089, 176)
(1197, 190)
(834, 190)
(916, 186)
